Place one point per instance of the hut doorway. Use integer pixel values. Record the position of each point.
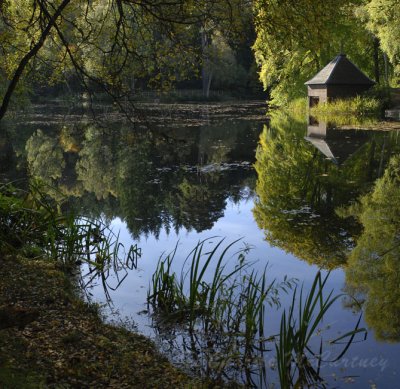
(314, 100)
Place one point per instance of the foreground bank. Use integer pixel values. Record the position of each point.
(51, 338)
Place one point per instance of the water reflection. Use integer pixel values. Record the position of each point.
(170, 178)
(300, 190)
(6, 152)
(336, 144)
(334, 201)
(373, 266)
(328, 195)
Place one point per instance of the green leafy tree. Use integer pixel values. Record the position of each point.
(222, 65)
(383, 19)
(107, 46)
(223, 29)
(296, 39)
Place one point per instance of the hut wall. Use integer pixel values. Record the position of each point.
(317, 92)
(343, 91)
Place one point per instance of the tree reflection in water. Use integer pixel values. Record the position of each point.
(332, 213)
(299, 189)
(150, 179)
(373, 266)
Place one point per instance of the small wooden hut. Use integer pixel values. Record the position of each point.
(339, 79)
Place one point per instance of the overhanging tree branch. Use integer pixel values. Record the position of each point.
(25, 60)
(126, 20)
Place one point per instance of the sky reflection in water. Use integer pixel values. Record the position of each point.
(185, 185)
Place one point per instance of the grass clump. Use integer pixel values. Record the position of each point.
(221, 309)
(13, 378)
(230, 300)
(351, 121)
(222, 316)
(33, 225)
(357, 106)
(296, 108)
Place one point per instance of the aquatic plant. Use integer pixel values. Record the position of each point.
(222, 308)
(35, 226)
(298, 365)
(296, 108)
(222, 318)
(229, 298)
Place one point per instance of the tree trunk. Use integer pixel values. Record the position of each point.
(386, 62)
(210, 76)
(25, 60)
(376, 60)
(205, 71)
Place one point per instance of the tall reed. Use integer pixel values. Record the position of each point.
(222, 307)
(356, 106)
(224, 316)
(294, 354)
(190, 296)
(35, 226)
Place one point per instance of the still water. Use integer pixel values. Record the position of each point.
(302, 195)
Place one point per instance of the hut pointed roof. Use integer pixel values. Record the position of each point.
(340, 71)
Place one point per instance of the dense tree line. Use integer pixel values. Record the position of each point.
(116, 47)
(296, 39)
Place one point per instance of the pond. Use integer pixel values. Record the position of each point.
(301, 195)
